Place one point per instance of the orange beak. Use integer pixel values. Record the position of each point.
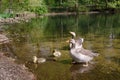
(68, 41)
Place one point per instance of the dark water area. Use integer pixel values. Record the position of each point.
(40, 36)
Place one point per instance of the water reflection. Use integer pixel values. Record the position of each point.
(79, 68)
(44, 51)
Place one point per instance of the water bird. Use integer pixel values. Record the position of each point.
(73, 34)
(38, 60)
(56, 53)
(78, 53)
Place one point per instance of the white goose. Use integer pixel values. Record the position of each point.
(78, 53)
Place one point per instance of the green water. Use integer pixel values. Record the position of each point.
(101, 33)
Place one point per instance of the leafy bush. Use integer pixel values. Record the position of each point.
(83, 8)
(38, 9)
(7, 15)
(37, 6)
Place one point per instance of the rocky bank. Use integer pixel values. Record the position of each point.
(9, 70)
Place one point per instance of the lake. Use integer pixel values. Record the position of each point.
(40, 36)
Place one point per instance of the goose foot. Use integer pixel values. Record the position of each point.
(74, 62)
(86, 64)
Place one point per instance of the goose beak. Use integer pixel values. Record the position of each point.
(67, 41)
(72, 33)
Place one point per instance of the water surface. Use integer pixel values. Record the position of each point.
(40, 36)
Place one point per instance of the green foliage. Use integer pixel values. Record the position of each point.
(22, 5)
(43, 6)
(7, 15)
(114, 4)
(83, 8)
(51, 3)
(38, 10)
(70, 3)
(14, 5)
(37, 6)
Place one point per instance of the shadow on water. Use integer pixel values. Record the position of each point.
(116, 59)
(41, 36)
(66, 61)
(79, 68)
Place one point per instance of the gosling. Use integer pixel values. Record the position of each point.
(38, 60)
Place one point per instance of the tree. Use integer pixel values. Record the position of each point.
(37, 6)
(0, 5)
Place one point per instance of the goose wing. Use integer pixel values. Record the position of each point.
(86, 52)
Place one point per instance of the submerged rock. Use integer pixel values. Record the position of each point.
(3, 39)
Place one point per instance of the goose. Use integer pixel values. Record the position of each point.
(78, 53)
(38, 60)
(56, 53)
(73, 34)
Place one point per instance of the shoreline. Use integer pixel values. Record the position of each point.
(69, 13)
(19, 17)
(26, 16)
